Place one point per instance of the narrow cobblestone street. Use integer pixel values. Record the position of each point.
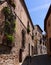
(25, 32)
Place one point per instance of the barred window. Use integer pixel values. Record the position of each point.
(20, 55)
(49, 23)
(23, 38)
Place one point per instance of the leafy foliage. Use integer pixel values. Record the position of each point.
(28, 29)
(12, 3)
(9, 38)
(9, 27)
(6, 11)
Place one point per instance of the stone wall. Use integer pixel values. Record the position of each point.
(22, 19)
(22, 15)
(39, 45)
(8, 59)
(48, 28)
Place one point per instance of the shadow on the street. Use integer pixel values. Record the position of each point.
(27, 61)
(5, 49)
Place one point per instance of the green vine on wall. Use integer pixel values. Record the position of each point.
(9, 27)
(11, 2)
(28, 29)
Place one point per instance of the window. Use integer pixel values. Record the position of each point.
(20, 55)
(40, 41)
(50, 43)
(32, 35)
(23, 38)
(32, 50)
(36, 33)
(49, 23)
(28, 23)
(28, 27)
(29, 49)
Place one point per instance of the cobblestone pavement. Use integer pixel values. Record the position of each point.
(38, 60)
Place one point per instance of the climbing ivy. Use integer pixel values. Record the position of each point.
(9, 27)
(11, 2)
(28, 29)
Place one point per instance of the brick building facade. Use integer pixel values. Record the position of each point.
(47, 28)
(23, 44)
(38, 39)
(40, 47)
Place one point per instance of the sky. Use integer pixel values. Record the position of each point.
(38, 10)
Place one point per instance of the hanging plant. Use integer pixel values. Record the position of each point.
(7, 23)
(6, 11)
(7, 27)
(13, 26)
(9, 38)
(28, 29)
